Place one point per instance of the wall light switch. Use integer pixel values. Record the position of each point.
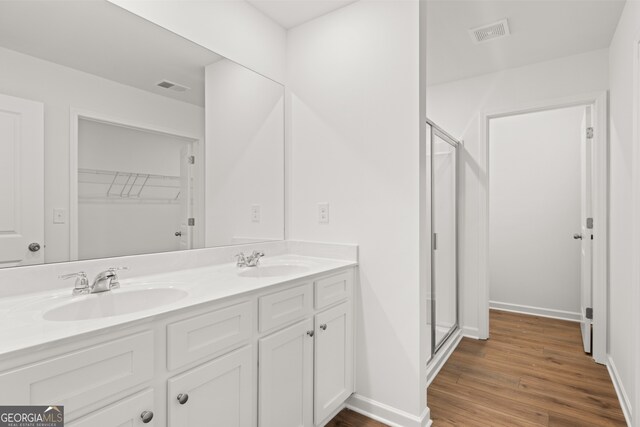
(59, 216)
(255, 213)
(323, 213)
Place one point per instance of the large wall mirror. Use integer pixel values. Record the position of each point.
(119, 137)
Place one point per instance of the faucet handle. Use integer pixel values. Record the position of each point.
(115, 284)
(79, 274)
(82, 283)
(241, 259)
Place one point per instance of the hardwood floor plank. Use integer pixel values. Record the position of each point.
(531, 372)
(349, 418)
(532, 369)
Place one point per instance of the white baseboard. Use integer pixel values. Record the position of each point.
(332, 416)
(625, 403)
(470, 332)
(387, 414)
(536, 311)
(442, 356)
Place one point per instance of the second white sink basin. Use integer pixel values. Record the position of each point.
(114, 303)
(275, 270)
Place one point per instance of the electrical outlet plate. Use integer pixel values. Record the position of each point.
(59, 216)
(255, 213)
(323, 213)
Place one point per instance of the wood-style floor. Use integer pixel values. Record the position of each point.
(531, 372)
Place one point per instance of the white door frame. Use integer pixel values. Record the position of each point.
(600, 211)
(635, 186)
(76, 115)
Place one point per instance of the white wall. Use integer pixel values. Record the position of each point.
(61, 88)
(534, 211)
(354, 126)
(456, 106)
(231, 28)
(245, 155)
(621, 287)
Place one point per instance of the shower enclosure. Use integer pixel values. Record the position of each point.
(442, 301)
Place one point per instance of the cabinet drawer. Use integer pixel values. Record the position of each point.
(208, 335)
(334, 288)
(285, 306)
(126, 412)
(89, 376)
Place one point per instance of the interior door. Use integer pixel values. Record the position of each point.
(186, 197)
(21, 182)
(586, 231)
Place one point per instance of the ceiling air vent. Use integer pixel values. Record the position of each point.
(490, 32)
(173, 86)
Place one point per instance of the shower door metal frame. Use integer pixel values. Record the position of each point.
(436, 130)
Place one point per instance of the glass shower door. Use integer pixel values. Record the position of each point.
(445, 242)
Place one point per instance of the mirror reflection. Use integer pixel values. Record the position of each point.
(118, 137)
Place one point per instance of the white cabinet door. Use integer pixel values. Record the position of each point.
(218, 393)
(133, 411)
(286, 377)
(21, 182)
(333, 359)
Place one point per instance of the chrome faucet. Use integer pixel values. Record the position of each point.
(249, 260)
(82, 283)
(106, 280)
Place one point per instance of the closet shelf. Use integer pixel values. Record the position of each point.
(97, 184)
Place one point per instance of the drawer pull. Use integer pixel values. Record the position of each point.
(310, 333)
(323, 326)
(146, 416)
(182, 398)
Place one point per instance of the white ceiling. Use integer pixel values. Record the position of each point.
(291, 13)
(541, 30)
(100, 38)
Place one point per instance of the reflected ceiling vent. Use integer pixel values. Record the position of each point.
(173, 86)
(489, 32)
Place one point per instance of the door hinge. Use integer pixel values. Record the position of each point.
(191, 160)
(589, 313)
(589, 132)
(191, 222)
(590, 223)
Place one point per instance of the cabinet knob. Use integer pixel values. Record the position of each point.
(146, 416)
(310, 333)
(323, 326)
(34, 247)
(182, 398)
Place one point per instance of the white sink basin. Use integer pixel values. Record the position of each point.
(114, 303)
(275, 270)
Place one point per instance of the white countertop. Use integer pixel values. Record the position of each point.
(23, 325)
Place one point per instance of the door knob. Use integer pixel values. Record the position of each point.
(34, 247)
(577, 236)
(146, 416)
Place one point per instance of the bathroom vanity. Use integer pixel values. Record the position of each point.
(270, 345)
